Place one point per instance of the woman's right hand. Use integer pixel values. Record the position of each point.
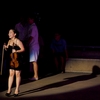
(5, 46)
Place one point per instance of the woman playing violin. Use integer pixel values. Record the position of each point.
(14, 48)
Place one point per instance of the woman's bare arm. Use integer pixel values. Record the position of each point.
(20, 44)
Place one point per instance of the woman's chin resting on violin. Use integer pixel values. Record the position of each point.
(14, 49)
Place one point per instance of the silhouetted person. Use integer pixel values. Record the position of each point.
(59, 51)
(33, 45)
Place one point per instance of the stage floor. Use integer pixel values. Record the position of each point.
(63, 86)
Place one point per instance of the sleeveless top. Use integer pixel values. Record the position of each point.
(9, 51)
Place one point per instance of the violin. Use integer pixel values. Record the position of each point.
(14, 62)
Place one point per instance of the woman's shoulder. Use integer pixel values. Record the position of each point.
(9, 40)
(17, 40)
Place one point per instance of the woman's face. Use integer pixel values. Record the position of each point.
(11, 34)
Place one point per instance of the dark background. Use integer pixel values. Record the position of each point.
(78, 22)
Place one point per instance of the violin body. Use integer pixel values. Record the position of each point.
(14, 62)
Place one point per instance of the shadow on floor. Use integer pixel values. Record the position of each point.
(83, 94)
(65, 81)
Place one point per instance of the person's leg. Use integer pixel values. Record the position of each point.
(63, 64)
(35, 69)
(18, 80)
(56, 64)
(10, 80)
(33, 59)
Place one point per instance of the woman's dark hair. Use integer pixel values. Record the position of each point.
(15, 31)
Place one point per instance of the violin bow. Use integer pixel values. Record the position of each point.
(2, 60)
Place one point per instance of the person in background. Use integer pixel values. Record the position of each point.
(33, 45)
(14, 49)
(22, 27)
(59, 52)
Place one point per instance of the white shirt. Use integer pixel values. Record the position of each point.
(33, 31)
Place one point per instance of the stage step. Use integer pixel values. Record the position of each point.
(82, 65)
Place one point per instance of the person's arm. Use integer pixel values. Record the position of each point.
(52, 46)
(20, 44)
(6, 46)
(29, 40)
(66, 51)
(31, 35)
